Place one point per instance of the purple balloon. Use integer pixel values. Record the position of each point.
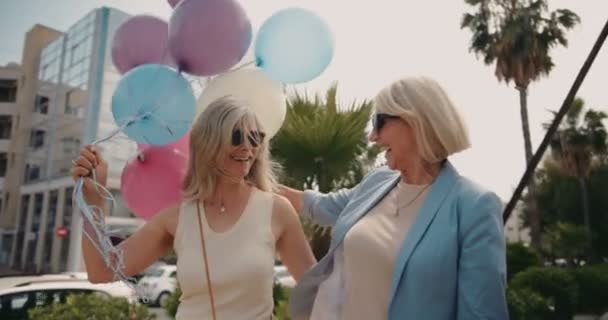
(141, 39)
(173, 3)
(208, 37)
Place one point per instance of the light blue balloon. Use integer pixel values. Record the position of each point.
(157, 100)
(294, 45)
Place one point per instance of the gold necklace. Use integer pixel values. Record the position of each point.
(401, 207)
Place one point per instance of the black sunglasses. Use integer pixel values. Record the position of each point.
(379, 120)
(255, 138)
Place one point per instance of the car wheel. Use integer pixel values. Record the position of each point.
(163, 297)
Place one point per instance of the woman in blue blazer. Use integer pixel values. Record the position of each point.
(415, 240)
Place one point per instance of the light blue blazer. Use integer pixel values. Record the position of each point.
(451, 264)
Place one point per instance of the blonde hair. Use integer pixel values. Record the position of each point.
(211, 135)
(438, 126)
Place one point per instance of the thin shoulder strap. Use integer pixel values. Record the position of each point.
(209, 287)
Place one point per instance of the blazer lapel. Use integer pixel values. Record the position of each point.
(438, 192)
(364, 208)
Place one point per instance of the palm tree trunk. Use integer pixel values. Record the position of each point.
(534, 216)
(582, 182)
(525, 123)
(321, 238)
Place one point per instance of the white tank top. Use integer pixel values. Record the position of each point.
(241, 263)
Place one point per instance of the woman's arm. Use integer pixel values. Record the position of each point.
(323, 209)
(291, 243)
(482, 263)
(140, 250)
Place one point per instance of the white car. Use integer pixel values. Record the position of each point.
(283, 277)
(12, 281)
(158, 284)
(17, 300)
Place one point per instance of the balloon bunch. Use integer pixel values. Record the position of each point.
(154, 104)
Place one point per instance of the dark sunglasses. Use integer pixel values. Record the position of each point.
(379, 120)
(255, 138)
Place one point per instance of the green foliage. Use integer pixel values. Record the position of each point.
(559, 200)
(173, 302)
(281, 311)
(521, 257)
(91, 307)
(280, 296)
(593, 289)
(322, 144)
(526, 304)
(517, 36)
(567, 241)
(557, 285)
(279, 293)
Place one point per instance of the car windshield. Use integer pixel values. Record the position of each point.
(155, 273)
(283, 273)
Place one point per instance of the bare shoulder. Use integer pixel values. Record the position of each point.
(280, 203)
(283, 211)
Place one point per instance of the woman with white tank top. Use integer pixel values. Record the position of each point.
(226, 232)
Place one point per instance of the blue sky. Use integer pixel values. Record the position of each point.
(382, 40)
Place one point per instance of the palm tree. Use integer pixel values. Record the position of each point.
(322, 146)
(517, 36)
(576, 145)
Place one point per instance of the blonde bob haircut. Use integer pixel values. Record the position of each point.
(421, 102)
(211, 137)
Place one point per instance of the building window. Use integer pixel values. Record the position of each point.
(73, 99)
(3, 165)
(44, 71)
(32, 172)
(77, 53)
(71, 145)
(41, 105)
(8, 90)
(37, 138)
(6, 126)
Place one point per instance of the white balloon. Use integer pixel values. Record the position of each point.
(252, 86)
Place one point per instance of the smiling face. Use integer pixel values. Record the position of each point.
(227, 141)
(241, 151)
(396, 137)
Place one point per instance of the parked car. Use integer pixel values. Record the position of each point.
(283, 277)
(17, 300)
(12, 281)
(158, 283)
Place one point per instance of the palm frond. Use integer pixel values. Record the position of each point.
(517, 36)
(321, 143)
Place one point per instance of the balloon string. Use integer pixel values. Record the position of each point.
(244, 65)
(94, 227)
(127, 122)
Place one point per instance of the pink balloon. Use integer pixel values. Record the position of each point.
(153, 182)
(208, 37)
(173, 3)
(182, 145)
(141, 40)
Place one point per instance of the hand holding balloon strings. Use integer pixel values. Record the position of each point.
(94, 227)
